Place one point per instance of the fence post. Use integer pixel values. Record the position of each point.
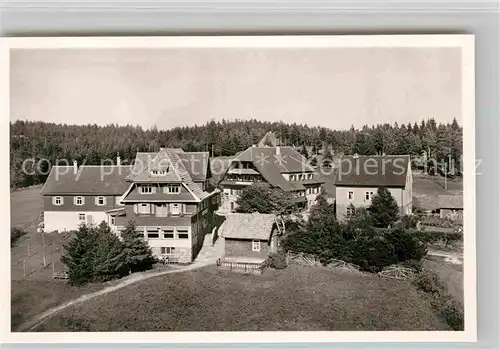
(44, 260)
(24, 267)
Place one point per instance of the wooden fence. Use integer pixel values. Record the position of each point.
(241, 267)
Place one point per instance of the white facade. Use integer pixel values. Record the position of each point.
(70, 220)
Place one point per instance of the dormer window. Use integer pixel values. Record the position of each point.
(146, 189)
(159, 172)
(172, 189)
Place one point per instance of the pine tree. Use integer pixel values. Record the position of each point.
(384, 209)
(78, 256)
(304, 151)
(109, 259)
(138, 255)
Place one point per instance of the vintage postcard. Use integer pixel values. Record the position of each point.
(238, 189)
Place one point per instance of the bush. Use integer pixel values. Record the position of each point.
(277, 261)
(452, 312)
(415, 265)
(407, 246)
(428, 282)
(370, 254)
(15, 235)
(409, 221)
(447, 307)
(97, 254)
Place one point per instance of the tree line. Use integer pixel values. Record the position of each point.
(90, 144)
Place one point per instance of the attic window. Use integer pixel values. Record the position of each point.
(172, 189)
(159, 172)
(255, 245)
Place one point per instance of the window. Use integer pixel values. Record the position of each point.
(255, 246)
(182, 234)
(100, 201)
(168, 233)
(159, 172)
(301, 177)
(153, 234)
(368, 195)
(57, 200)
(175, 209)
(310, 176)
(113, 220)
(146, 189)
(140, 233)
(168, 250)
(81, 217)
(79, 200)
(144, 209)
(350, 211)
(351, 195)
(172, 189)
(292, 177)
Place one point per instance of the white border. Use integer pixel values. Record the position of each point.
(465, 42)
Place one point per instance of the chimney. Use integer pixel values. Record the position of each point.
(75, 167)
(355, 156)
(118, 160)
(278, 151)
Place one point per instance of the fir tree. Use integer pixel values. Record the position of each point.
(108, 256)
(384, 209)
(138, 255)
(78, 256)
(304, 151)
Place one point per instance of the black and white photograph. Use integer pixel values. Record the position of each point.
(316, 188)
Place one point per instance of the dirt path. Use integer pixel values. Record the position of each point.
(31, 324)
(452, 257)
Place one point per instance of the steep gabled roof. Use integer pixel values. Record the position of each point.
(174, 162)
(248, 226)
(105, 180)
(196, 163)
(373, 171)
(273, 162)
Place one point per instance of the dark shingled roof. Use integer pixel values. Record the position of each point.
(106, 180)
(248, 226)
(373, 171)
(272, 162)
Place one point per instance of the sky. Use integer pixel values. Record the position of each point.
(330, 87)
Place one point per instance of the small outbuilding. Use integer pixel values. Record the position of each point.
(451, 207)
(249, 237)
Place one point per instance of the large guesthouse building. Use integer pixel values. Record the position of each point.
(165, 194)
(359, 177)
(279, 167)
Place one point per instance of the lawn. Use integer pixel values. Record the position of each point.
(451, 275)
(33, 290)
(296, 298)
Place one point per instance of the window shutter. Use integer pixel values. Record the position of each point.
(183, 208)
(53, 200)
(153, 190)
(135, 208)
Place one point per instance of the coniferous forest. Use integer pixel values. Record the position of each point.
(91, 144)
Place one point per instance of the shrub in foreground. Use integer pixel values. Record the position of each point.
(97, 254)
(15, 235)
(277, 261)
(448, 308)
